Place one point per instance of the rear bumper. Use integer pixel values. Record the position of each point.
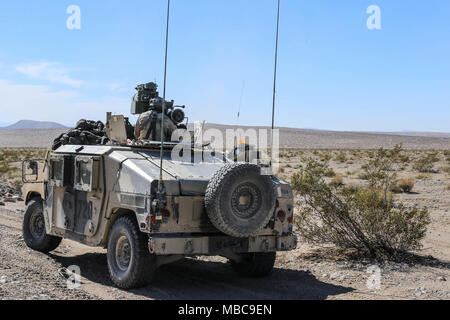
(217, 245)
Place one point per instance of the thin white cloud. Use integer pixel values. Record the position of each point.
(40, 102)
(49, 71)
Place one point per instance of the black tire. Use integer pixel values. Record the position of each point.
(255, 265)
(33, 229)
(239, 200)
(130, 263)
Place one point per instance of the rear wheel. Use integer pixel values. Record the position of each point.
(255, 265)
(130, 263)
(33, 228)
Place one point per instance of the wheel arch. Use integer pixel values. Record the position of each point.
(117, 213)
(32, 194)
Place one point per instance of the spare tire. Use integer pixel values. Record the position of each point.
(239, 200)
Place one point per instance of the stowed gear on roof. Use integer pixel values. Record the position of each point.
(148, 104)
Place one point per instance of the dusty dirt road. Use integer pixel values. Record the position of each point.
(302, 274)
(32, 275)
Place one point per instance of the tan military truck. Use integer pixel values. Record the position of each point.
(108, 196)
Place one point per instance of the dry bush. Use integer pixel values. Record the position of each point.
(325, 156)
(406, 185)
(330, 173)
(425, 176)
(404, 158)
(341, 157)
(366, 219)
(445, 169)
(426, 163)
(395, 188)
(362, 176)
(337, 181)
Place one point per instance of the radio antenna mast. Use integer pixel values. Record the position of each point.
(160, 185)
(237, 138)
(275, 83)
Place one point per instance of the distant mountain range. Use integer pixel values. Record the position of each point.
(35, 125)
(31, 124)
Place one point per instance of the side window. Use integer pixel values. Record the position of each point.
(32, 171)
(86, 173)
(57, 171)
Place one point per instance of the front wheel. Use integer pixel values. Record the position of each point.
(33, 229)
(255, 265)
(130, 263)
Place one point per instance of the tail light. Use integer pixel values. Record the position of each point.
(281, 215)
(165, 213)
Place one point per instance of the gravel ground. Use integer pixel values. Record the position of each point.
(305, 273)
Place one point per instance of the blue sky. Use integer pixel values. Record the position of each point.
(334, 73)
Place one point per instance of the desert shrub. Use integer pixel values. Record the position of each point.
(426, 163)
(4, 168)
(423, 165)
(17, 182)
(448, 186)
(395, 188)
(362, 175)
(366, 219)
(351, 188)
(337, 181)
(423, 177)
(370, 154)
(330, 173)
(283, 154)
(325, 156)
(445, 169)
(447, 153)
(381, 170)
(404, 158)
(406, 185)
(341, 157)
(356, 153)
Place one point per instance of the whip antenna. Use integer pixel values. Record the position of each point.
(237, 138)
(164, 100)
(275, 83)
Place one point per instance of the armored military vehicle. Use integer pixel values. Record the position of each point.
(110, 195)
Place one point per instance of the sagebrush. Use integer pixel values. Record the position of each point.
(366, 219)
